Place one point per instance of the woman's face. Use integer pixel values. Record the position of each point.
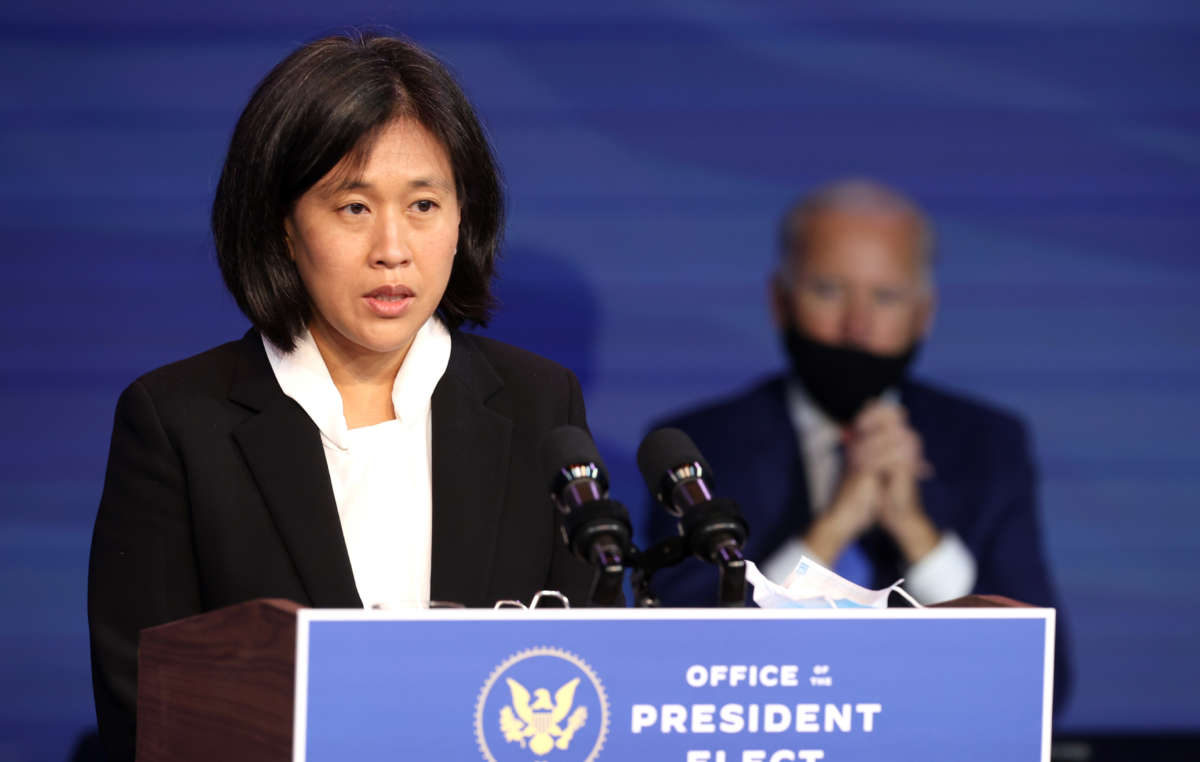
(375, 249)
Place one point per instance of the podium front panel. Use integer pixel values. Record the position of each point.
(697, 685)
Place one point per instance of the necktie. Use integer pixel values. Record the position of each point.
(853, 564)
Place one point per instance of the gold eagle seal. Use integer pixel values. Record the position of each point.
(534, 724)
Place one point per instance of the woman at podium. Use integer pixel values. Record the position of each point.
(354, 448)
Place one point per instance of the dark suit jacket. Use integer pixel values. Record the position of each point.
(217, 492)
(983, 489)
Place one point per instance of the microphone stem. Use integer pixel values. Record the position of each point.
(731, 571)
(610, 572)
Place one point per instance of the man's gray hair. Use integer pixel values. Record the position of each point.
(852, 196)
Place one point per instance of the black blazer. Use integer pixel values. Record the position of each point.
(217, 492)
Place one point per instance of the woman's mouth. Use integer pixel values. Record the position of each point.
(389, 301)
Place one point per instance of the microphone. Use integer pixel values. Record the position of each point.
(712, 527)
(596, 528)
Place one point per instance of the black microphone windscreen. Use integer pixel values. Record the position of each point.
(569, 446)
(665, 449)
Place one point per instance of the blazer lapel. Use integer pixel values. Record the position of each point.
(472, 433)
(283, 449)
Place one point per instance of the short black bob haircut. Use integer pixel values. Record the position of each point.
(326, 101)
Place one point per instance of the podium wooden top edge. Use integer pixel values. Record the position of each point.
(282, 608)
(271, 608)
(981, 602)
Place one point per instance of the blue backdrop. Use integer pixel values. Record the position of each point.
(649, 148)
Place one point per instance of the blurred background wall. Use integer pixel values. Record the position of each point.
(649, 148)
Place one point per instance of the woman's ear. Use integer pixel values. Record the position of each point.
(287, 238)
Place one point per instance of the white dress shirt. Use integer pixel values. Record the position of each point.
(944, 573)
(381, 474)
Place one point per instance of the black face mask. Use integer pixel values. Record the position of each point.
(841, 379)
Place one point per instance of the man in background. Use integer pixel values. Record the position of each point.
(845, 458)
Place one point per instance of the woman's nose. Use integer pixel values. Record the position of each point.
(392, 245)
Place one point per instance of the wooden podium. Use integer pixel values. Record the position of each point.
(219, 686)
(224, 685)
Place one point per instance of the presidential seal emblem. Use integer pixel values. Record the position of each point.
(542, 705)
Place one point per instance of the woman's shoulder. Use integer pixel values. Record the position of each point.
(196, 396)
(528, 380)
(209, 371)
(509, 359)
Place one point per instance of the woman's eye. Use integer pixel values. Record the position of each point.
(355, 208)
(424, 205)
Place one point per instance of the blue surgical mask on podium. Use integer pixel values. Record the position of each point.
(811, 586)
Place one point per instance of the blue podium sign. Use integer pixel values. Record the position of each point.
(697, 685)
